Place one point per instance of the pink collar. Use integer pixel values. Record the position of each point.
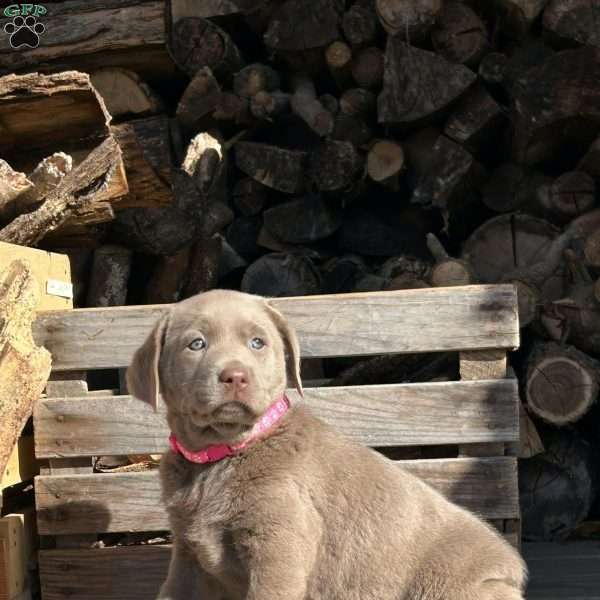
(218, 451)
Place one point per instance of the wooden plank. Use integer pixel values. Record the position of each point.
(45, 267)
(125, 573)
(563, 571)
(376, 415)
(470, 317)
(18, 538)
(109, 502)
(21, 464)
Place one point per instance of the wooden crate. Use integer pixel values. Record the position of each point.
(477, 417)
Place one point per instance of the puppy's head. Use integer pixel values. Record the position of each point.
(219, 360)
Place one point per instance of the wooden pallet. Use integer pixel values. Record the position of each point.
(475, 420)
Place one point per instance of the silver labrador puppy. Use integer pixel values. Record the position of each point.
(266, 502)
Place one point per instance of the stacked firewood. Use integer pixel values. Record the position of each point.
(292, 147)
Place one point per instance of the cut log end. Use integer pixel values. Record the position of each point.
(385, 160)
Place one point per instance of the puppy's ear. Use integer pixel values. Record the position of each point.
(142, 373)
(291, 346)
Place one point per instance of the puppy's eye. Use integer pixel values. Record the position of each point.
(256, 343)
(197, 344)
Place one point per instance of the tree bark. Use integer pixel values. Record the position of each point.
(110, 275)
(572, 22)
(411, 19)
(12, 185)
(24, 366)
(334, 166)
(304, 103)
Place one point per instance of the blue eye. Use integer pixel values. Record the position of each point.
(256, 343)
(197, 344)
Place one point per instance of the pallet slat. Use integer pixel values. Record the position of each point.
(466, 318)
(375, 415)
(103, 503)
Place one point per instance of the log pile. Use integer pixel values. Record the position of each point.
(328, 146)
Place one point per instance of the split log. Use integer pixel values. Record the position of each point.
(411, 19)
(385, 163)
(275, 275)
(302, 221)
(340, 274)
(80, 261)
(24, 366)
(195, 42)
(370, 282)
(156, 231)
(360, 24)
(269, 105)
(358, 101)
(125, 93)
(418, 83)
(110, 275)
(268, 241)
(147, 156)
(77, 192)
(530, 443)
(568, 196)
(164, 286)
(12, 184)
(459, 34)
(249, 196)
(572, 22)
(572, 119)
(334, 166)
(511, 187)
(477, 123)
(233, 108)
(556, 488)
(303, 24)
(277, 168)
(338, 57)
(45, 177)
(418, 149)
(516, 16)
(590, 162)
(231, 261)
(200, 99)
(304, 103)
(113, 33)
(447, 271)
(367, 67)
(562, 383)
(255, 78)
(202, 272)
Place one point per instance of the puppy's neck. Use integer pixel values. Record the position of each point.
(215, 452)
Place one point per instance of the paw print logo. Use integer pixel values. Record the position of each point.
(24, 31)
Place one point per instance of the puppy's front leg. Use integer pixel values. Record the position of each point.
(186, 580)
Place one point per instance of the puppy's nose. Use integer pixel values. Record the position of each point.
(234, 376)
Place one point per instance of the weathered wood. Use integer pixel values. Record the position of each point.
(367, 67)
(12, 185)
(338, 57)
(195, 42)
(131, 501)
(302, 221)
(164, 286)
(146, 148)
(200, 98)
(110, 275)
(473, 317)
(334, 166)
(418, 83)
(408, 18)
(568, 196)
(79, 191)
(282, 274)
(255, 78)
(385, 163)
(24, 367)
(48, 270)
(303, 24)
(125, 93)
(202, 272)
(573, 119)
(112, 33)
(477, 122)
(360, 24)
(482, 364)
(274, 167)
(377, 415)
(304, 103)
(459, 34)
(561, 384)
(447, 271)
(572, 21)
(249, 196)
(530, 443)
